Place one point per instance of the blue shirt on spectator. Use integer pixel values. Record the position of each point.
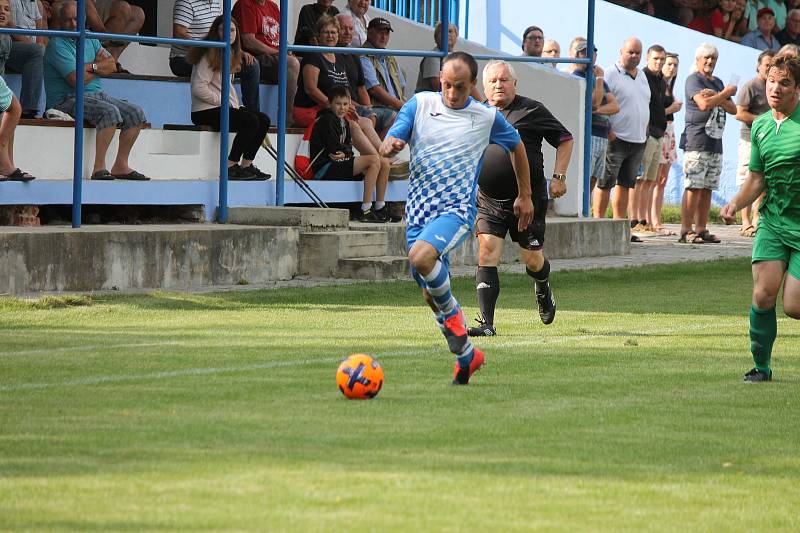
(371, 77)
(59, 62)
(756, 39)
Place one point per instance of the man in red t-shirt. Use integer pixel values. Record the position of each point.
(259, 25)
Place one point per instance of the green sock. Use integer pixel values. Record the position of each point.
(763, 330)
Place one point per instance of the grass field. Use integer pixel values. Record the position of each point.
(220, 411)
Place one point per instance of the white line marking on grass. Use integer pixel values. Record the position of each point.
(97, 380)
(66, 349)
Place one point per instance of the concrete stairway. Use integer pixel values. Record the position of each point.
(329, 247)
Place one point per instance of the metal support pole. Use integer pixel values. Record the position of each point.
(77, 160)
(282, 77)
(466, 20)
(224, 118)
(445, 36)
(587, 126)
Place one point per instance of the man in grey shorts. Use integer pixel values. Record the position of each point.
(707, 101)
(100, 110)
(629, 126)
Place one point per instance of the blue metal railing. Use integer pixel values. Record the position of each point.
(444, 16)
(80, 36)
(430, 13)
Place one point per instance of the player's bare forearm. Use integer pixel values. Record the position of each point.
(750, 191)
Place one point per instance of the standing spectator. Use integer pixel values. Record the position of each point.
(733, 20)
(23, 53)
(791, 50)
(259, 24)
(358, 10)
(791, 33)
(430, 67)
(551, 48)
(668, 152)
(751, 102)
(114, 16)
(604, 104)
(385, 82)
(11, 111)
(192, 19)
(629, 126)
(762, 38)
(310, 14)
(533, 41)
(250, 126)
(642, 198)
(707, 101)
(709, 21)
(100, 110)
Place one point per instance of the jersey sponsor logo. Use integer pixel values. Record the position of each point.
(436, 114)
(440, 238)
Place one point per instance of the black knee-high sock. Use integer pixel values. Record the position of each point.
(541, 276)
(487, 284)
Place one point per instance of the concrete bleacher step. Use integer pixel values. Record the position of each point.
(320, 253)
(306, 218)
(383, 267)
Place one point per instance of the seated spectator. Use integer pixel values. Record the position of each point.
(358, 10)
(319, 73)
(431, 67)
(736, 22)
(791, 50)
(250, 126)
(332, 156)
(709, 21)
(762, 38)
(310, 14)
(259, 25)
(191, 19)
(114, 16)
(100, 110)
(551, 48)
(11, 111)
(22, 53)
(385, 82)
(791, 33)
(533, 41)
(382, 118)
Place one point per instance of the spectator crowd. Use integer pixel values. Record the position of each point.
(347, 103)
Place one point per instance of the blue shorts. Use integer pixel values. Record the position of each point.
(444, 233)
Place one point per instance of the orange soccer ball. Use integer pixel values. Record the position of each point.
(360, 377)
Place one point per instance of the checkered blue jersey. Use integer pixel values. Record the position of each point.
(447, 148)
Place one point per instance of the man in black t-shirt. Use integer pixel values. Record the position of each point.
(497, 191)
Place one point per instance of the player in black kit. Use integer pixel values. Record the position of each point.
(497, 190)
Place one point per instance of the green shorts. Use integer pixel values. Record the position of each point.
(769, 247)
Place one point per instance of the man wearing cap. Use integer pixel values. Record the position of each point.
(533, 41)
(383, 78)
(762, 38)
(604, 104)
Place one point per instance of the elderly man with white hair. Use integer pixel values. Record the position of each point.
(707, 102)
(358, 10)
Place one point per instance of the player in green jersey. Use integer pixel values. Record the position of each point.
(775, 170)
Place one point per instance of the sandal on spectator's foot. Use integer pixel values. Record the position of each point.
(708, 237)
(19, 175)
(102, 175)
(690, 237)
(132, 175)
(661, 230)
(749, 231)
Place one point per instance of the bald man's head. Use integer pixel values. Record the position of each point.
(630, 55)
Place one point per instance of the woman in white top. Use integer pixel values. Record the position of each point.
(250, 126)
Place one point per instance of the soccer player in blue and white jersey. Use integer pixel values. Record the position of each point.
(447, 133)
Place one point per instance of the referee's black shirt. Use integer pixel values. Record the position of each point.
(533, 122)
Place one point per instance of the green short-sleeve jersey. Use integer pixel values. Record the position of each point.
(775, 153)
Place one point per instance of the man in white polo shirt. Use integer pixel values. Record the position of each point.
(629, 129)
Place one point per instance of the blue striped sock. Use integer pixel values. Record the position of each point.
(465, 358)
(438, 282)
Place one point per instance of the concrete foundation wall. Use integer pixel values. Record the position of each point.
(174, 257)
